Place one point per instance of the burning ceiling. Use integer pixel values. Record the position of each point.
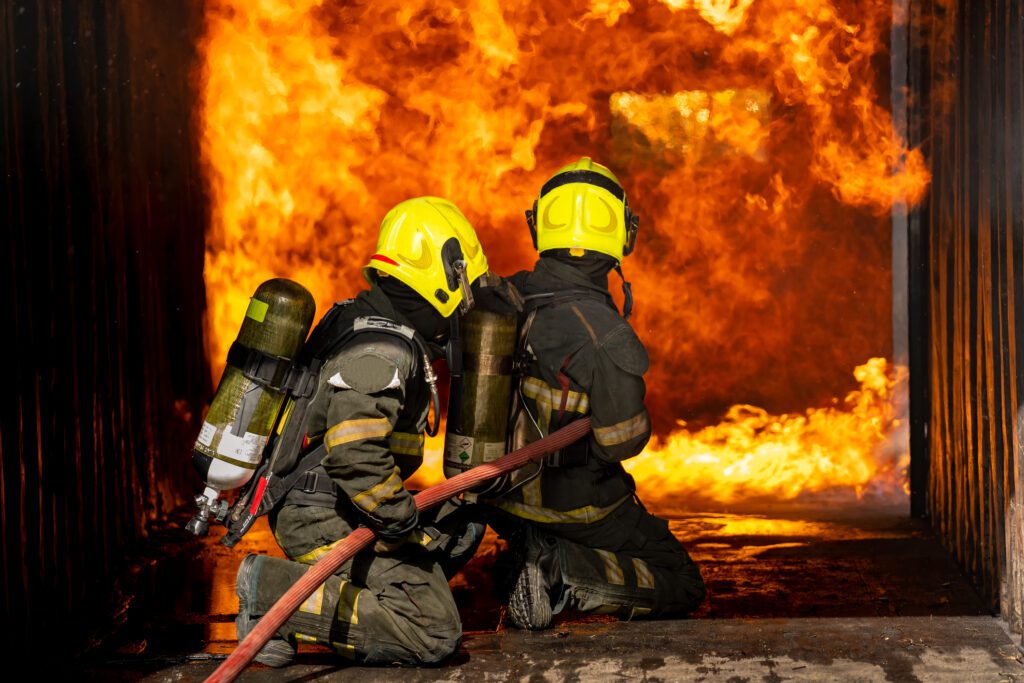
(751, 135)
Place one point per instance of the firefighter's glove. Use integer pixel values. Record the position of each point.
(495, 294)
(420, 538)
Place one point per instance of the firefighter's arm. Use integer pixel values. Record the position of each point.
(368, 390)
(621, 425)
(495, 294)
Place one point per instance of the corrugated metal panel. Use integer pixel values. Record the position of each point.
(101, 291)
(970, 81)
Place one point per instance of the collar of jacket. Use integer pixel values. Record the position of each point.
(375, 302)
(551, 275)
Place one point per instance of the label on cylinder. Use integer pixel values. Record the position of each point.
(206, 434)
(492, 450)
(459, 449)
(246, 448)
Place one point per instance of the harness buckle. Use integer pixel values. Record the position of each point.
(309, 484)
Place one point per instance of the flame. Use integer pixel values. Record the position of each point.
(725, 15)
(753, 454)
(751, 137)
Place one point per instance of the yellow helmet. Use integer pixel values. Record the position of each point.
(429, 245)
(583, 206)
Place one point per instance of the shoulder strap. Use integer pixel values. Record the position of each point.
(534, 302)
(334, 331)
(278, 487)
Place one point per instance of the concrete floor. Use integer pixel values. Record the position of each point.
(796, 595)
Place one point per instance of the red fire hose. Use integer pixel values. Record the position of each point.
(362, 537)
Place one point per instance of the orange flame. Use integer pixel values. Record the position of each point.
(750, 135)
(752, 454)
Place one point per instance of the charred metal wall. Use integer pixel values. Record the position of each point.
(967, 251)
(102, 295)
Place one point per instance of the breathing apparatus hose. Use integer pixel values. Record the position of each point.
(362, 537)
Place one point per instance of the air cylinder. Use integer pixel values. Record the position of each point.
(246, 406)
(478, 405)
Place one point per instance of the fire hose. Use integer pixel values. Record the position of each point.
(362, 537)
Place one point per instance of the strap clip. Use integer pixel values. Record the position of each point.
(262, 368)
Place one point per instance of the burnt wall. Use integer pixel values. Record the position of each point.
(967, 253)
(102, 296)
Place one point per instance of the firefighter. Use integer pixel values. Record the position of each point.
(583, 539)
(370, 411)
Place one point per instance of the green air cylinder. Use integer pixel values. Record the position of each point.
(479, 401)
(245, 409)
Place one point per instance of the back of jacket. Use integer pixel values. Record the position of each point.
(586, 361)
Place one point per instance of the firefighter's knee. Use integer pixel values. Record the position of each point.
(442, 649)
(413, 650)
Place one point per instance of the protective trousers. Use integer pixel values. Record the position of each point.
(628, 564)
(385, 611)
(378, 609)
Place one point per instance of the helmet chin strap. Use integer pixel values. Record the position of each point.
(627, 293)
(467, 303)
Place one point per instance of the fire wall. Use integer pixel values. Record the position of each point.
(967, 291)
(102, 292)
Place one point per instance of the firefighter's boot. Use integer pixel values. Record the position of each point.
(538, 583)
(277, 652)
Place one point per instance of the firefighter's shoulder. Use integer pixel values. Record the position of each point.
(371, 363)
(622, 345)
(609, 333)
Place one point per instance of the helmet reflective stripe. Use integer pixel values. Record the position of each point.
(588, 177)
(430, 246)
(583, 206)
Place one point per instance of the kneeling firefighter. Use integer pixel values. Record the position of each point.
(583, 539)
(355, 438)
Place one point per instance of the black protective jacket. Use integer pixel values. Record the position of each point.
(584, 359)
(370, 409)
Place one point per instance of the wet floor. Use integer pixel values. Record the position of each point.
(860, 564)
(783, 565)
